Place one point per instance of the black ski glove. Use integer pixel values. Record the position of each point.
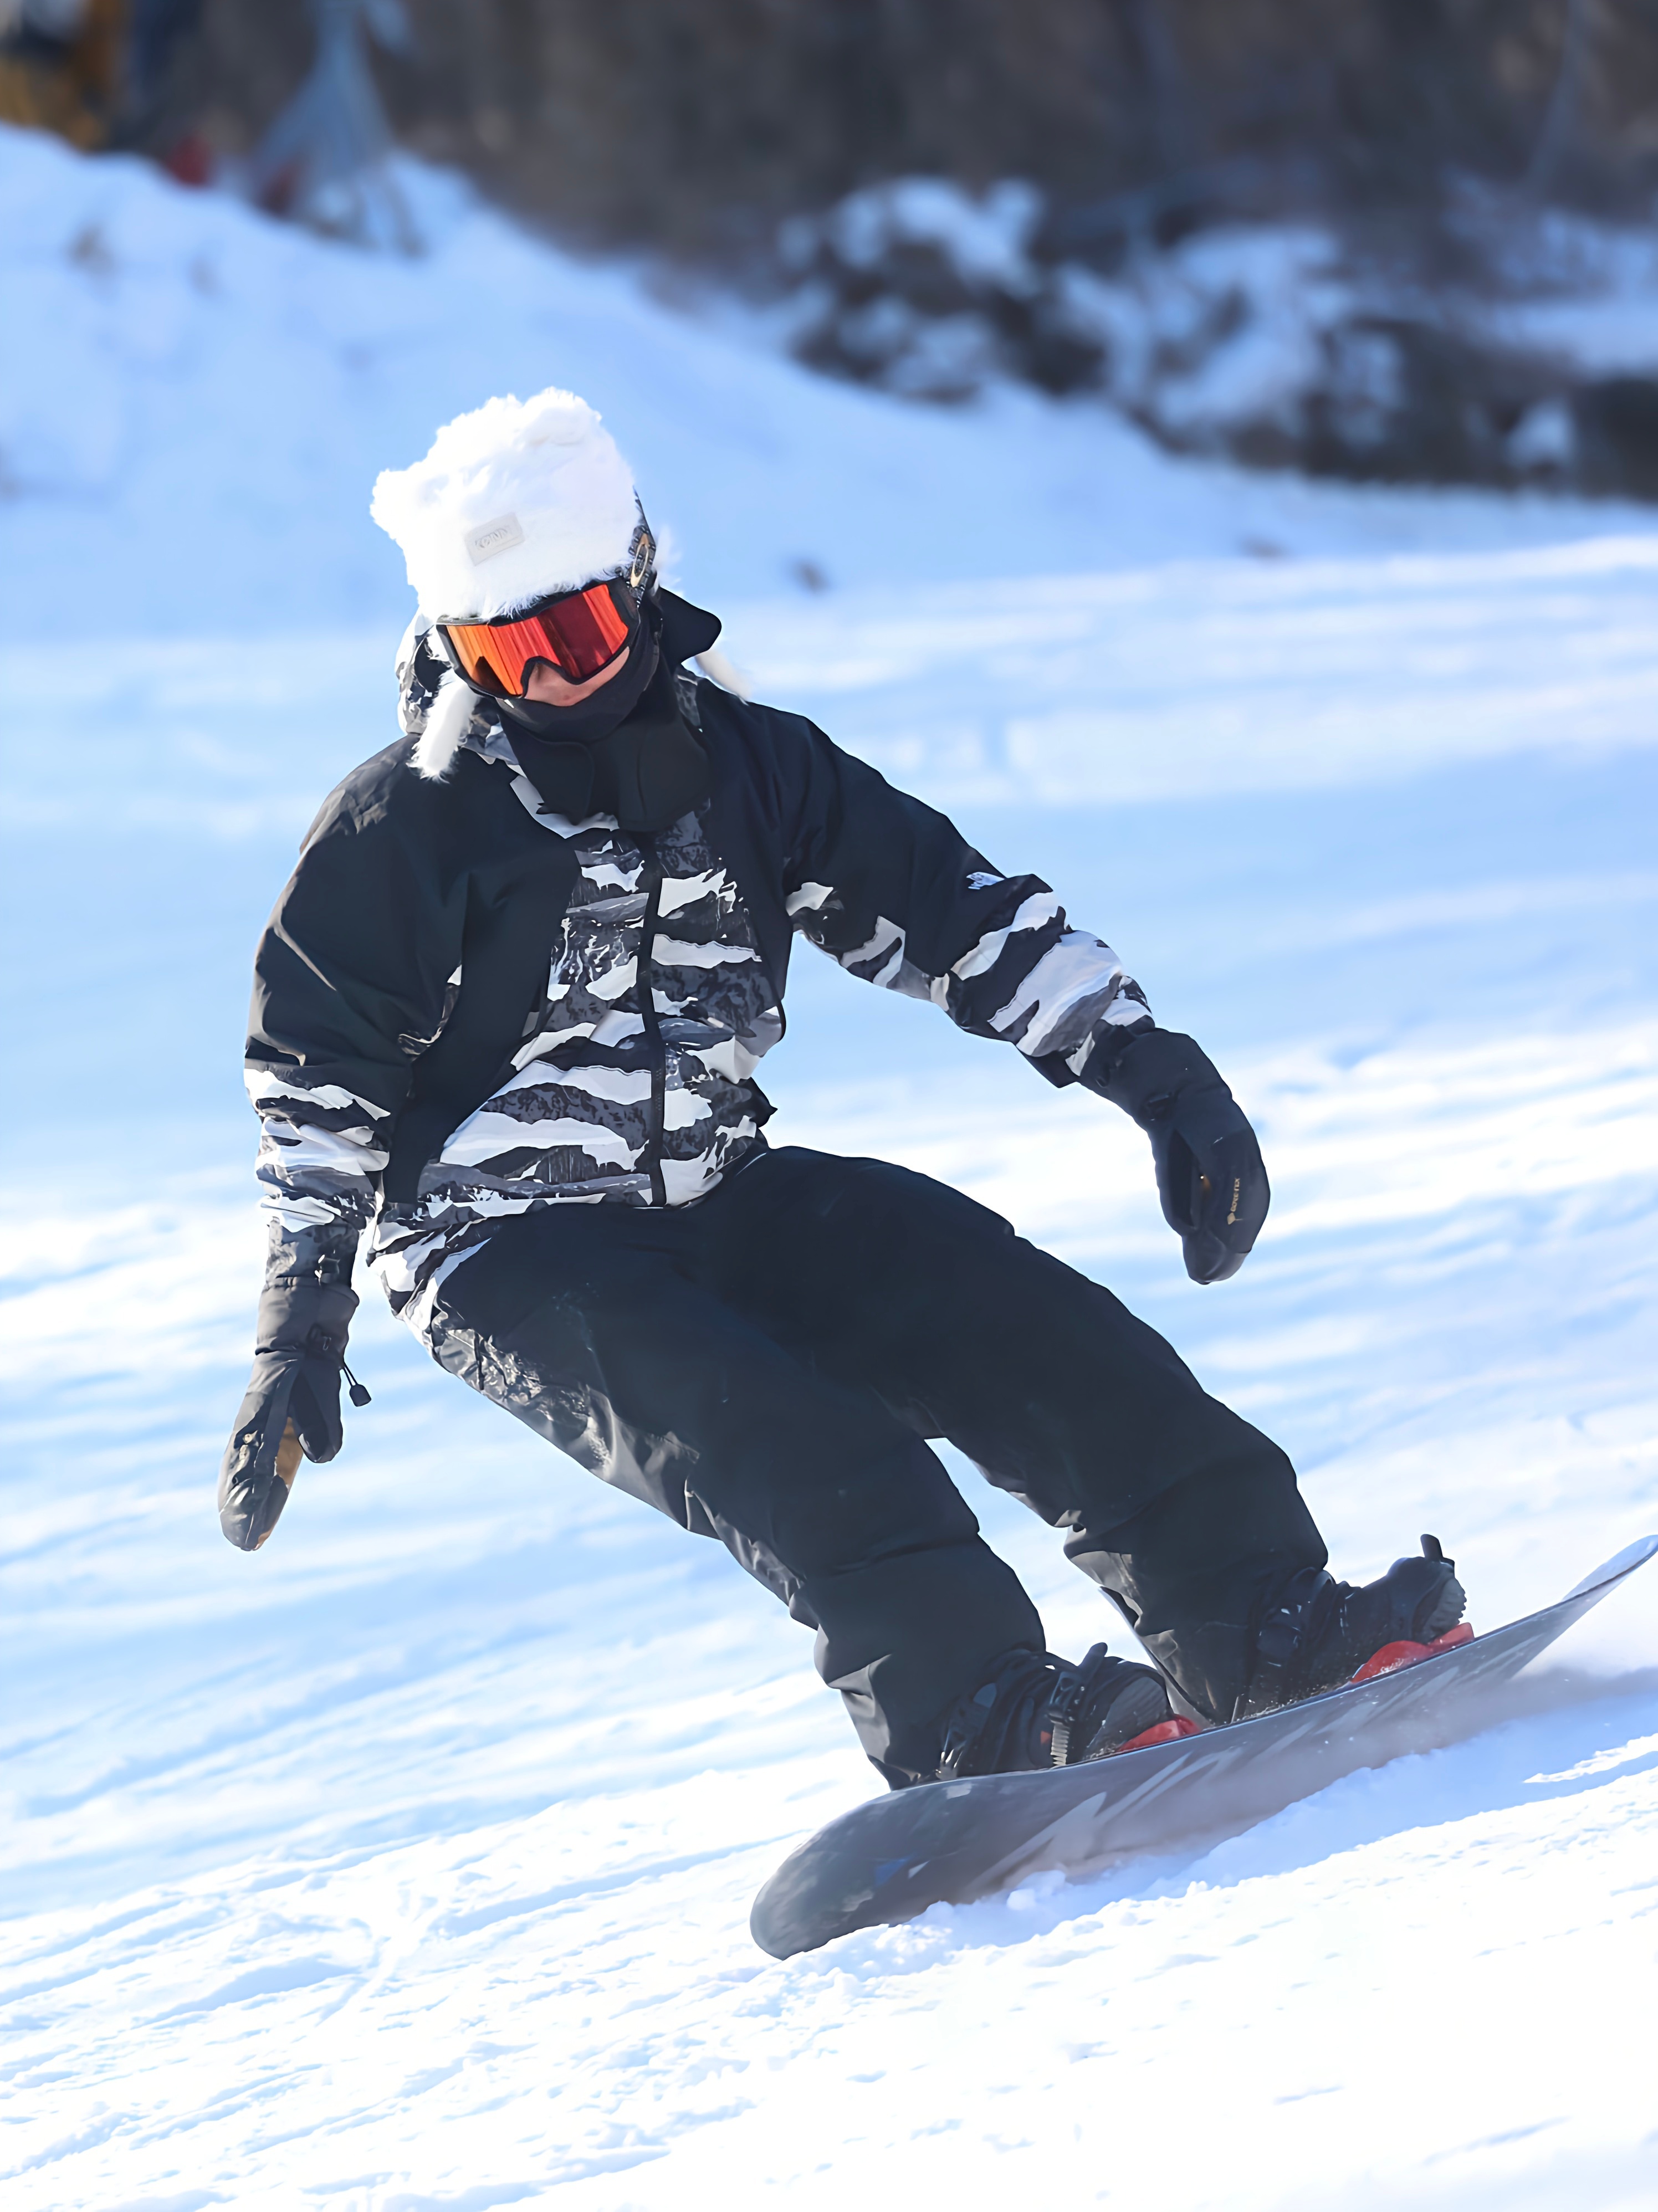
(292, 1401)
(1211, 1176)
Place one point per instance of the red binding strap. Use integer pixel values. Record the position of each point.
(1393, 1657)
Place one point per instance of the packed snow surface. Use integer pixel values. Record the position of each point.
(407, 1864)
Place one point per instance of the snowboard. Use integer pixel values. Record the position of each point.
(950, 1842)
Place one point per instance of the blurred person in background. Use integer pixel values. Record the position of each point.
(62, 66)
(102, 74)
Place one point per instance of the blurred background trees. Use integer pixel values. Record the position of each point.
(696, 125)
(1316, 234)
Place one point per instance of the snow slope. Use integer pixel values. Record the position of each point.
(194, 402)
(407, 1865)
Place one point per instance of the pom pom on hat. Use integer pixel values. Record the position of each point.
(517, 500)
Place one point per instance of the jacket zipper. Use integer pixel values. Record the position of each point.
(652, 1153)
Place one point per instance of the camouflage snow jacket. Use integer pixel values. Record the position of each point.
(466, 1007)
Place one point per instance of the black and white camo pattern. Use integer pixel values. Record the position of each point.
(634, 1083)
(321, 1148)
(634, 1086)
(1033, 982)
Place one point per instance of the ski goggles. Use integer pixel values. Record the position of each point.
(580, 633)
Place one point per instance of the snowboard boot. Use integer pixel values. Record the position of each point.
(1037, 1711)
(1316, 1633)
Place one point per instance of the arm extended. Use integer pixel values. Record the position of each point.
(353, 979)
(892, 889)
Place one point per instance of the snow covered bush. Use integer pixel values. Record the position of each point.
(1280, 344)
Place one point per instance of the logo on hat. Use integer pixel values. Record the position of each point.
(492, 538)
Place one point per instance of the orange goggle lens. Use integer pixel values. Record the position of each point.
(579, 633)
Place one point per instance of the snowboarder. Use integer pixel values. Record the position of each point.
(507, 1018)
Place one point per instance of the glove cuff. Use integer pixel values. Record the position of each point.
(1148, 1071)
(300, 1316)
(327, 1250)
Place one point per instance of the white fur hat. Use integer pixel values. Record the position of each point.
(519, 499)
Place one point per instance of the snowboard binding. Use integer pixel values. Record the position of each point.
(1036, 1712)
(1320, 1634)
(1317, 1634)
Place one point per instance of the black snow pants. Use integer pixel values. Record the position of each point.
(765, 1367)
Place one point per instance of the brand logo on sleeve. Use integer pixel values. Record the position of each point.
(492, 538)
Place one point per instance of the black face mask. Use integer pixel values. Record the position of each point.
(652, 770)
(595, 718)
(641, 764)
